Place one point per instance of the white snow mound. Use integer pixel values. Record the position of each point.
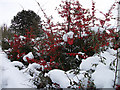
(29, 55)
(68, 35)
(59, 77)
(11, 77)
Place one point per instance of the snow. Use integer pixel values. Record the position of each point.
(91, 62)
(70, 74)
(95, 29)
(31, 71)
(22, 37)
(103, 76)
(77, 57)
(34, 66)
(11, 76)
(108, 58)
(68, 35)
(59, 77)
(111, 51)
(88, 63)
(29, 55)
(18, 64)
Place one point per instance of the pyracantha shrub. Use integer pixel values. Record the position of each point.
(20, 46)
(118, 87)
(67, 43)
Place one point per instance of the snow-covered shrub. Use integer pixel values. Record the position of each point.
(93, 72)
(68, 43)
(75, 34)
(36, 75)
(20, 46)
(65, 46)
(70, 80)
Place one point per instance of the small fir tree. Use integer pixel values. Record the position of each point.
(24, 20)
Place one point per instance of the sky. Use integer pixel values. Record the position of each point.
(10, 8)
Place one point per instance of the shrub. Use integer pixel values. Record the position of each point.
(65, 44)
(74, 37)
(20, 46)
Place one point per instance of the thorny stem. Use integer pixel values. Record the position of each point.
(69, 23)
(69, 20)
(116, 70)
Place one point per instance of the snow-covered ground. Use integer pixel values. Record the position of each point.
(103, 76)
(10, 76)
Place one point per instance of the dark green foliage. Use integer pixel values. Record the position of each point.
(26, 20)
(87, 44)
(69, 61)
(5, 45)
